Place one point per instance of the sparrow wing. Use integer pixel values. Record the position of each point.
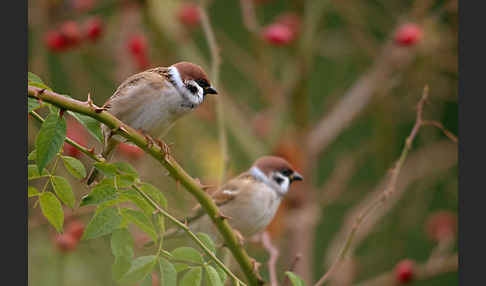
(223, 195)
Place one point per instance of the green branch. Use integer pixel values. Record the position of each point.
(175, 170)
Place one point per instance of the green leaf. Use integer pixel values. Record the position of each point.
(141, 221)
(32, 155)
(122, 243)
(74, 166)
(296, 280)
(51, 208)
(138, 200)
(155, 194)
(139, 268)
(120, 267)
(91, 124)
(102, 192)
(32, 192)
(168, 274)
(159, 223)
(50, 139)
(188, 254)
(192, 277)
(33, 104)
(125, 168)
(124, 181)
(33, 172)
(213, 278)
(107, 169)
(63, 190)
(221, 272)
(35, 80)
(102, 223)
(207, 241)
(147, 281)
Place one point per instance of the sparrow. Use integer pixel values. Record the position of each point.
(152, 100)
(249, 201)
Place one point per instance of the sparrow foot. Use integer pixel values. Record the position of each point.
(202, 186)
(222, 216)
(163, 147)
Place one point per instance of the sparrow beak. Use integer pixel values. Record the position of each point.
(296, 177)
(209, 90)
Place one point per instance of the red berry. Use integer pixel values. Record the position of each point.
(75, 229)
(408, 35)
(441, 225)
(291, 20)
(93, 28)
(55, 41)
(188, 15)
(130, 151)
(65, 242)
(404, 271)
(137, 45)
(71, 31)
(278, 34)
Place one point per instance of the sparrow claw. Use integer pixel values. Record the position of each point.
(256, 266)
(202, 186)
(163, 147)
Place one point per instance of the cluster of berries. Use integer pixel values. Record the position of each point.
(70, 34)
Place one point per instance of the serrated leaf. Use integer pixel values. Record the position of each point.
(207, 241)
(33, 172)
(74, 166)
(147, 281)
(32, 192)
(92, 125)
(138, 200)
(102, 223)
(124, 181)
(125, 168)
(139, 268)
(193, 277)
(102, 192)
(122, 243)
(51, 208)
(120, 267)
(296, 280)
(168, 274)
(107, 169)
(49, 139)
(32, 155)
(63, 190)
(155, 194)
(140, 220)
(212, 275)
(188, 254)
(32, 77)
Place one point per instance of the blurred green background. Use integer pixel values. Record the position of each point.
(273, 98)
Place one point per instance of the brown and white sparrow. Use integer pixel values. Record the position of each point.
(151, 101)
(250, 200)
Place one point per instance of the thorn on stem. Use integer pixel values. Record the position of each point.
(220, 215)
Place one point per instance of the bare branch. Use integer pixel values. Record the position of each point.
(274, 254)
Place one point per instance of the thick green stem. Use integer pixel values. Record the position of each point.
(174, 169)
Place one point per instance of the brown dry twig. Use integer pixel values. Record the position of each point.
(389, 189)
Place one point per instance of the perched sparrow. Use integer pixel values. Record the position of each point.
(151, 101)
(250, 200)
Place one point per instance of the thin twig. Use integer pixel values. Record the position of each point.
(216, 62)
(274, 254)
(189, 232)
(386, 193)
(291, 268)
(249, 16)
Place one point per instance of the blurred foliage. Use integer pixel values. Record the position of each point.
(349, 37)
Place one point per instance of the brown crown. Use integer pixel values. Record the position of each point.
(267, 164)
(190, 71)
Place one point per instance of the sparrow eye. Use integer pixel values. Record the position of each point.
(191, 88)
(287, 172)
(202, 83)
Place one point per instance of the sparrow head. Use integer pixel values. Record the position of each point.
(276, 172)
(191, 81)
